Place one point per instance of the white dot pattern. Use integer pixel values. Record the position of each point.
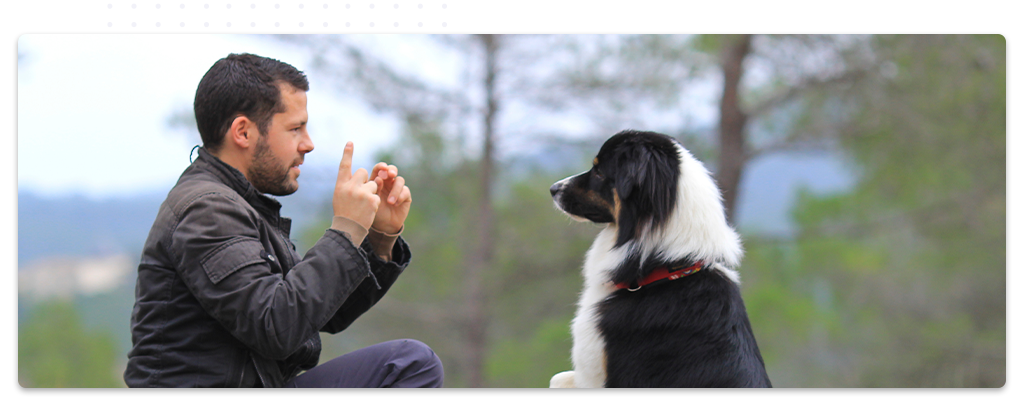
(226, 17)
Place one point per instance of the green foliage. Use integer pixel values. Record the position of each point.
(111, 312)
(531, 363)
(55, 350)
(901, 282)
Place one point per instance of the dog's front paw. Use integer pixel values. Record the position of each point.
(564, 380)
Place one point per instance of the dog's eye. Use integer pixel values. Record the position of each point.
(598, 174)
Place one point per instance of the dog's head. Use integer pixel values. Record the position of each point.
(633, 184)
(655, 195)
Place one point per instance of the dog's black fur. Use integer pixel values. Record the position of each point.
(690, 332)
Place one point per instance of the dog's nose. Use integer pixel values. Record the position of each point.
(555, 188)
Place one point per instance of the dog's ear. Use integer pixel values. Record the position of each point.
(648, 174)
(633, 167)
(646, 181)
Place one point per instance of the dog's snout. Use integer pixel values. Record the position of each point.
(555, 188)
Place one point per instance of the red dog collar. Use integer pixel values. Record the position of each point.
(663, 274)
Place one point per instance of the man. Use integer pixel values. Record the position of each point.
(222, 298)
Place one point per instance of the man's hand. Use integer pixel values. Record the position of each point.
(396, 197)
(355, 197)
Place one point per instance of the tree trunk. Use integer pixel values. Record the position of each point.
(732, 125)
(483, 255)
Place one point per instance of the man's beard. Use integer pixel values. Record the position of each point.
(268, 174)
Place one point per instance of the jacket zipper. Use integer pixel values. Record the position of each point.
(258, 373)
(241, 381)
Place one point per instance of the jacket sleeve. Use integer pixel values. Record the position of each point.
(372, 290)
(229, 272)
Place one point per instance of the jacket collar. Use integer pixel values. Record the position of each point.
(269, 207)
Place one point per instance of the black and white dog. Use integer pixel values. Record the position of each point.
(660, 305)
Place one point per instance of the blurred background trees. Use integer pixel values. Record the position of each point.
(901, 281)
(56, 350)
(896, 280)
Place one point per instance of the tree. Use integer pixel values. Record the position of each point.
(482, 258)
(419, 101)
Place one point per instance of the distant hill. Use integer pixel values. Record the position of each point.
(78, 226)
(74, 225)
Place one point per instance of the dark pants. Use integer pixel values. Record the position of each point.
(398, 363)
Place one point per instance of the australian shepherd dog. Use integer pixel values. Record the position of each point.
(661, 305)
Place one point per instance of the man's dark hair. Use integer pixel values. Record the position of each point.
(241, 84)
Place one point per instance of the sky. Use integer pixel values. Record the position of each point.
(94, 110)
(94, 116)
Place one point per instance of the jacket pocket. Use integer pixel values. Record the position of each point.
(231, 256)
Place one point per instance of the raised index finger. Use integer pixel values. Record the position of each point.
(345, 169)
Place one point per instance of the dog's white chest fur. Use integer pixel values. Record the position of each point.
(588, 347)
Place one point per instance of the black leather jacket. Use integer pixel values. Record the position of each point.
(224, 300)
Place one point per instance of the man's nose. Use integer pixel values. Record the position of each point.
(306, 145)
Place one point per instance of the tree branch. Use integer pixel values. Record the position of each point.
(789, 145)
(383, 87)
(796, 91)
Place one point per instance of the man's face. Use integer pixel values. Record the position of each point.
(280, 150)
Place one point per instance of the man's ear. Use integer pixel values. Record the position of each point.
(242, 132)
